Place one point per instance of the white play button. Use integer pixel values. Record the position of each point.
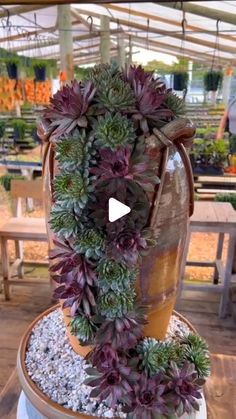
(116, 210)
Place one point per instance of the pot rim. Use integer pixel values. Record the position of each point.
(40, 400)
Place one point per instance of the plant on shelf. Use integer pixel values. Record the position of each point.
(226, 197)
(12, 64)
(213, 80)
(209, 156)
(2, 128)
(19, 126)
(103, 134)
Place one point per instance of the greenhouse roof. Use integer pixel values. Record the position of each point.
(172, 28)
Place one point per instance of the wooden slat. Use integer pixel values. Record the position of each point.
(217, 179)
(27, 228)
(27, 188)
(213, 214)
(216, 191)
(9, 397)
(220, 388)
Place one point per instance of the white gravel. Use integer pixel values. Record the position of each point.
(59, 372)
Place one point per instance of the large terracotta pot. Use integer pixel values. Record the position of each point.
(44, 405)
(172, 203)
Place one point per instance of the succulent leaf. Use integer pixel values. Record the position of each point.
(113, 130)
(91, 243)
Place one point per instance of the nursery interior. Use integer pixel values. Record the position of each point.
(118, 210)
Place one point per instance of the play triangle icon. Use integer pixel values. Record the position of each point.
(116, 210)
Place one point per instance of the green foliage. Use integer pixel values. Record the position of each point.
(73, 152)
(116, 304)
(12, 60)
(113, 131)
(158, 67)
(91, 243)
(19, 126)
(81, 73)
(175, 104)
(71, 190)
(231, 198)
(156, 355)
(83, 328)
(36, 63)
(196, 351)
(64, 222)
(212, 80)
(114, 94)
(2, 128)
(6, 179)
(115, 275)
(210, 152)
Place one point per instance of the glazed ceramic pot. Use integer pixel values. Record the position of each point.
(171, 206)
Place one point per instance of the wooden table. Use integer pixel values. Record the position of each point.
(220, 390)
(219, 218)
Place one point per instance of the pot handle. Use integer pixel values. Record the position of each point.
(179, 133)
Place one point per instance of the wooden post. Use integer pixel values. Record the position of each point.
(130, 53)
(105, 39)
(66, 40)
(121, 49)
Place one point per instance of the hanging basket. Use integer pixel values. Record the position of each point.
(180, 81)
(40, 73)
(12, 70)
(212, 80)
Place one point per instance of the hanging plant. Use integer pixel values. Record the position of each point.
(213, 80)
(40, 67)
(12, 64)
(180, 80)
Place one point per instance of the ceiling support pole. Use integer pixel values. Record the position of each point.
(105, 39)
(66, 40)
(121, 49)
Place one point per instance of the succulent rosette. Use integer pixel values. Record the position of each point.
(101, 130)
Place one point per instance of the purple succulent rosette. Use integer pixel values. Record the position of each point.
(100, 128)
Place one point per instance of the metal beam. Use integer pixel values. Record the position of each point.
(20, 9)
(162, 19)
(151, 29)
(201, 11)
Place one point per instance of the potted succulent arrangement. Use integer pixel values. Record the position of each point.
(119, 134)
(12, 67)
(209, 156)
(213, 80)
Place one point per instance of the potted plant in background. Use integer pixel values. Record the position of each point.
(19, 129)
(180, 75)
(40, 67)
(12, 64)
(213, 80)
(209, 156)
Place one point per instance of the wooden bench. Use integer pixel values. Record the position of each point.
(219, 218)
(20, 229)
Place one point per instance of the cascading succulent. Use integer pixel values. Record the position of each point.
(103, 131)
(71, 190)
(72, 152)
(68, 108)
(116, 304)
(91, 243)
(113, 130)
(64, 222)
(114, 94)
(114, 275)
(83, 328)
